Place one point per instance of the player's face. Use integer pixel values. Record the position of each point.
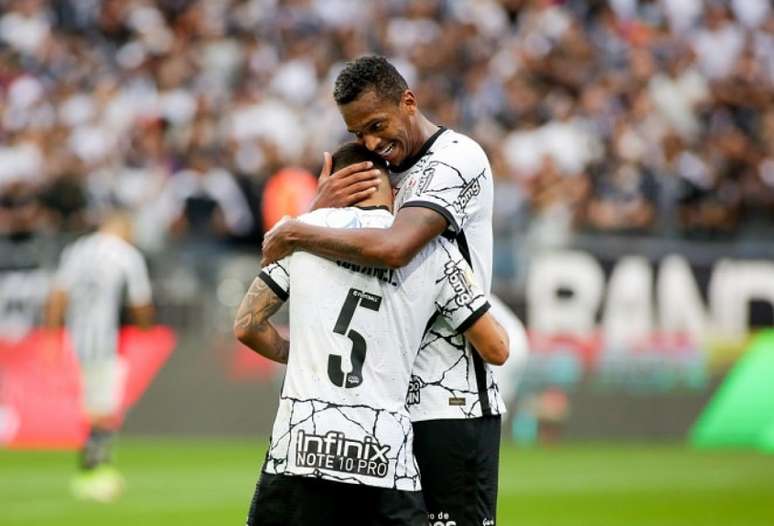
(383, 126)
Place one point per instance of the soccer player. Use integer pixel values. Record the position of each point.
(341, 446)
(443, 183)
(94, 273)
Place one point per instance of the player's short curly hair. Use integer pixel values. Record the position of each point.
(354, 152)
(371, 72)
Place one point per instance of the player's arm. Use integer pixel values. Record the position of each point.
(252, 326)
(55, 309)
(142, 315)
(489, 339)
(391, 247)
(463, 303)
(139, 293)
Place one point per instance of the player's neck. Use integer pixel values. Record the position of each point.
(422, 131)
(382, 198)
(115, 232)
(425, 129)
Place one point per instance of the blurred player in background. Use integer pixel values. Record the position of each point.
(355, 332)
(97, 273)
(444, 187)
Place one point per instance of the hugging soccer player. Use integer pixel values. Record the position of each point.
(444, 187)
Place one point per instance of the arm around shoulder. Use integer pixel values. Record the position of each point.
(413, 228)
(392, 247)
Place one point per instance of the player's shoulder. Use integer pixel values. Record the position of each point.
(350, 217)
(459, 147)
(113, 250)
(118, 244)
(81, 244)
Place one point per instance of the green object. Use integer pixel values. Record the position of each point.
(766, 442)
(741, 413)
(210, 483)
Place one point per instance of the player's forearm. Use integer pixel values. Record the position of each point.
(364, 246)
(54, 310)
(252, 326)
(267, 342)
(489, 339)
(142, 316)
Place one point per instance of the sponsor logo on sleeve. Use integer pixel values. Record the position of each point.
(470, 190)
(459, 282)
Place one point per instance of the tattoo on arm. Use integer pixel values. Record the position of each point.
(252, 325)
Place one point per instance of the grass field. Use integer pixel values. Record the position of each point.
(210, 483)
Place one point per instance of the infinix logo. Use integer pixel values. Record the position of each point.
(336, 452)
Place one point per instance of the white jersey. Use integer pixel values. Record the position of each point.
(95, 271)
(354, 336)
(451, 175)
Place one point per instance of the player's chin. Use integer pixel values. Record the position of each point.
(395, 157)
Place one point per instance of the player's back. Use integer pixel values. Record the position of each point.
(95, 271)
(354, 335)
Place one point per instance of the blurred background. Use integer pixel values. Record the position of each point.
(632, 143)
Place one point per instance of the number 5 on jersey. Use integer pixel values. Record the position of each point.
(354, 299)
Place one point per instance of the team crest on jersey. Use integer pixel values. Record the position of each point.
(426, 177)
(334, 451)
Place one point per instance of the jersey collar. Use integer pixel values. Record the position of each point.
(373, 207)
(410, 161)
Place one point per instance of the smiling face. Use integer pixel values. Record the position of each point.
(382, 125)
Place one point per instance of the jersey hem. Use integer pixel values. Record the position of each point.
(321, 475)
(456, 416)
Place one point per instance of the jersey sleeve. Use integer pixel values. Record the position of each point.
(277, 277)
(459, 298)
(451, 184)
(138, 287)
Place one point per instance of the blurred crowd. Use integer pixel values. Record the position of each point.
(626, 116)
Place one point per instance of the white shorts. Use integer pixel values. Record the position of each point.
(102, 385)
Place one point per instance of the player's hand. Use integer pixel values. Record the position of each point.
(276, 242)
(345, 187)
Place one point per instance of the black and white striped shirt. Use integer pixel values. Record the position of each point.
(95, 271)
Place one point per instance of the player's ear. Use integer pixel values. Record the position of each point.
(409, 101)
